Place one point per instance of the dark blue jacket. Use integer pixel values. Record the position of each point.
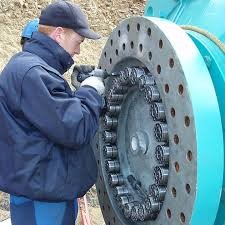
(45, 128)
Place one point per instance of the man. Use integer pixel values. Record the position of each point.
(46, 160)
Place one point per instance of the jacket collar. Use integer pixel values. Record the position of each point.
(50, 51)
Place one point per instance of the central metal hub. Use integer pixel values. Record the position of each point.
(131, 147)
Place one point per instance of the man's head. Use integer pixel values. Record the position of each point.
(66, 23)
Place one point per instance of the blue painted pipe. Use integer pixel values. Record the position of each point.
(208, 15)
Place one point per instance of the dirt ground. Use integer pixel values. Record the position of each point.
(103, 15)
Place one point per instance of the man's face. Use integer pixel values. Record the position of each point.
(70, 41)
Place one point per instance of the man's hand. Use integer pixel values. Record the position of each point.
(83, 68)
(80, 69)
(96, 83)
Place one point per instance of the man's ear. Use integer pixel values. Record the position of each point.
(58, 34)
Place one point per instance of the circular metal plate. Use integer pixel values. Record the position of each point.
(192, 114)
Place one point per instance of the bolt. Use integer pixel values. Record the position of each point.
(118, 98)
(127, 209)
(146, 80)
(161, 175)
(139, 143)
(116, 179)
(134, 213)
(152, 94)
(158, 111)
(109, 137)
(162, 154)
(110, 123)
(114, 110)
(124, 199)
(110, 151)
(157, 192)
(112, 166)
(121, 190)
(136, 74)
(161, 132)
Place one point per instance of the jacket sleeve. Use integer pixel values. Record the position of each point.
(68, 120)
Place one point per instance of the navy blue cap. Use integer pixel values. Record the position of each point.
(68, 15)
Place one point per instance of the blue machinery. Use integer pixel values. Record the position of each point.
(160, 148)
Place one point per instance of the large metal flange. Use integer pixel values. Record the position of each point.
(157, 129)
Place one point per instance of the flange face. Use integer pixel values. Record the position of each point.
(147, 142)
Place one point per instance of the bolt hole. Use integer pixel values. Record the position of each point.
(189, 156)
(98, 162)
(167, 88)
(188, 188)
(172, 112)
(105, 54)
(119, 33)
(171, 63)
(177, 166)
(99, 192)
(128, 27)
(160, 44)
(150, 55)
(117, 52)
(111, 42)
(174, 192)
(108, 207)
(110, 60)
(187, 121)
(138, 27)
(182, 217)
(103, 208)
(141, 47)
(132, 44)
(149, 32)
(181, 89)
(104, 193)
(114, 220)
(168, 212)
(124, 46)
(158, 69)
(176, 139)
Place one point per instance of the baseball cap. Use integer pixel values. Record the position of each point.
(68, 15)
